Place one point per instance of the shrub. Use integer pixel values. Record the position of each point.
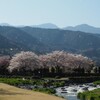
(89, 95)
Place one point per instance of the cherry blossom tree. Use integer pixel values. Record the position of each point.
(53, 60)
(56, 62)
(67, 62)
(24, 61)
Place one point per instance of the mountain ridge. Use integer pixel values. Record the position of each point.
(84, 28)
(46, 26)
(81, 27)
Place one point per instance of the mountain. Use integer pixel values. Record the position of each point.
(65, 38)
(7, 46)
(4, 24)
(24, 40)
(71, 41)
(5, 43)
(46, 26)
(84, 28)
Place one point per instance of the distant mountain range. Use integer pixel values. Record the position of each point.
(41, 40)
(46, 26)
(20, 40)
(83, 27)
(72, 41)
(4, 24)
(8, 47)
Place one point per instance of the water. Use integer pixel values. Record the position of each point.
(71, 98)
(67, 96)
(70, 92)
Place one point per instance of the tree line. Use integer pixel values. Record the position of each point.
(56, 63)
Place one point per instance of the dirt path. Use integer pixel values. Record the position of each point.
(8, 92)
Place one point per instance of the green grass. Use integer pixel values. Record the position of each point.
(97, 82)
(20, 81)
(15, 81)
(90, 95)
(38, 82)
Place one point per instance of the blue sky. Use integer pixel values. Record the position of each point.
(60, 12)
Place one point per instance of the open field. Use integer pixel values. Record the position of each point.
(8, 92)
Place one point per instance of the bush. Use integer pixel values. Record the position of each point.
(58, 84)
(57, 77)
(79, 95)
(92, 98)
(89, 95)
(97, 82)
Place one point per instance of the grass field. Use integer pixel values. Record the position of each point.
(8, 92)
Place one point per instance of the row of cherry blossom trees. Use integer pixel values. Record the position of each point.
(57, 62)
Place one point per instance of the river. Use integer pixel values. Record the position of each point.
(70, 92)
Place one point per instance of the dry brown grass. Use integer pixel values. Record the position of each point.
(8, 92)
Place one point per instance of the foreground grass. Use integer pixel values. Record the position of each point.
(16, 81)
(19, 81)
(90, 95)
(8, 92)
(97, 82)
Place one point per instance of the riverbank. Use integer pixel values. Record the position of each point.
(62, 87)
(71, 91)
(8, 92)
(90, 95)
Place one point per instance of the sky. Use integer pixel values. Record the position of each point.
(60, 12)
